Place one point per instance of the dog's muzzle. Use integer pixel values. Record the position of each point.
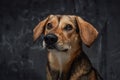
(50, 40)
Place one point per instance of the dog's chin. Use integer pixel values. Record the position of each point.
(54, 47)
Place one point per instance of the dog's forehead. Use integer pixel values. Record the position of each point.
(70, 18)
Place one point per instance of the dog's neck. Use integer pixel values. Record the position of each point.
(61, 61)
(62, 71)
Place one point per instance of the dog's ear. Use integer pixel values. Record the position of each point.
(87, 32)
(38, 30)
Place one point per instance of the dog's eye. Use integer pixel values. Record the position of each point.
(49, 26)
(68, 27)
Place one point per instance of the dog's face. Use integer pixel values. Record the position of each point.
(64, 33)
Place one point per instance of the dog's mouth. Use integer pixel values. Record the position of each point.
(55, 47)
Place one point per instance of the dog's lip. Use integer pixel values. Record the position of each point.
(55, 47)
(64, 50)
(50, 46)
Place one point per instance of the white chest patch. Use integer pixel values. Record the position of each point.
(62, 58)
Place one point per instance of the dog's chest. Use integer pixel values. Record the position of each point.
(58, 61)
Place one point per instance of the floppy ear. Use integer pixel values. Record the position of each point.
(37, 31)
(87, 32)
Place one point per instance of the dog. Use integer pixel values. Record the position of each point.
(63, 38)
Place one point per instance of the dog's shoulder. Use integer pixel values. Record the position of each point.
(81, 63)
(82, 69)
(80, 66)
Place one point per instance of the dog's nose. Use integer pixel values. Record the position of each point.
(50, 39)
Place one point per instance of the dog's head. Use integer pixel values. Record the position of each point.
(63, 32)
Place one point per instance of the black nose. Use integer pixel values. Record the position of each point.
(50, 39)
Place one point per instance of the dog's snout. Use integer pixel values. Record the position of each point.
(50, 39)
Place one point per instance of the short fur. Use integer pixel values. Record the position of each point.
(72, 64)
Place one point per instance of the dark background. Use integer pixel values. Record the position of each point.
(21, 59)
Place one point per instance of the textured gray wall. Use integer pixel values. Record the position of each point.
(21, 59)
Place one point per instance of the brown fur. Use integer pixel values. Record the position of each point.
(72, 64)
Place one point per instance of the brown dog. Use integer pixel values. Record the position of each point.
(64, 35)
